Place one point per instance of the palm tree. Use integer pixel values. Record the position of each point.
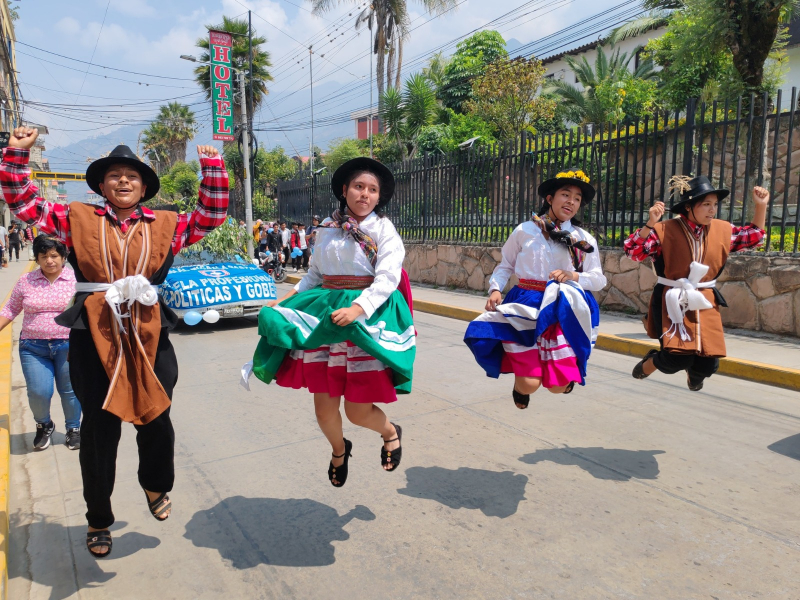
(406, 113)
(434, 72)
(238, 28)
(387, 21)
(614, 68)
(166, 137)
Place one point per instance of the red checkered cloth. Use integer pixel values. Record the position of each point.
(742, 238)
(53, 218)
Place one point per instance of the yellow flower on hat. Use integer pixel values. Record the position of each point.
(573, 175)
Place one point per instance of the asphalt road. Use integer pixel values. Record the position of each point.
(623, 489)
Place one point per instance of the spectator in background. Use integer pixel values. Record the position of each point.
(42, 295)
(262, 238)
(29, 239)
(274, 242)
(3, 245)
(14, 241)
(311, 233)
(302, 239)
(286, 237)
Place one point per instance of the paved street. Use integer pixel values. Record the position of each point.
(623, 489)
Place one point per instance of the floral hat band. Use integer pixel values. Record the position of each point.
(573, 175)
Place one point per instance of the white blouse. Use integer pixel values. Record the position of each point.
(337, 253)
(529, 255)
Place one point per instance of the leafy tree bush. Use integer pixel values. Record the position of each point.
(343, 149)
(458, 128)
(469, 61)
(181, 184)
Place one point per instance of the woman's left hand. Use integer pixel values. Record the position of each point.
(344, 316)
(209, 151)
(563, 276)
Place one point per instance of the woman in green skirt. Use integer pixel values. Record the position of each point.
(345, 329)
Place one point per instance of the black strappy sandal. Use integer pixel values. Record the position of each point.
(392, 457)
(159, 506)
(523, 399)
(340, 472)
(95, 539)
(638, 370)
(569, 388)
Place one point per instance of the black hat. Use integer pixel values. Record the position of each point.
(364, 164)
(575, 177)
(316, 218)
(692, 190)
(123, 155)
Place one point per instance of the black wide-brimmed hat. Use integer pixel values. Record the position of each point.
(364, 163)
(122, 155)
(575, 177)
(692, 190)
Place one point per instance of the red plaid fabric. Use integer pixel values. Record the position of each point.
(742, 238)
(53, 218)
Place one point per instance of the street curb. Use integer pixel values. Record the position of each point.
(739, 368)
(6, 352)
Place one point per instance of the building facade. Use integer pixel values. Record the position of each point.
(10, 98)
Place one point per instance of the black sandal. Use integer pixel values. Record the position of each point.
(523, 399)
(638, 370)
(569, 388)
(99, 538)
(392, 457)
(341, 476)
(159, 506)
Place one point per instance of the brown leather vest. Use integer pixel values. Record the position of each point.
(677, 253)
(104, 254)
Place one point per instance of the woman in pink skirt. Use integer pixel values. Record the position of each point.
(545, 329)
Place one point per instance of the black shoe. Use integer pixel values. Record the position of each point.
(43, 435)
(523, 399)
(73, 441)
(569, 388)
(392, 457)
(95, 539)
(638, 370)
(340, 472)
(695, 383)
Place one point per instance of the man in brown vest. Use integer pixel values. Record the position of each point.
(688, 254)
(122, 364)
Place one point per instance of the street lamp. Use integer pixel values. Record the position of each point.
(248, 191)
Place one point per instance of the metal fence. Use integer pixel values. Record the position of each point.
(478, 195)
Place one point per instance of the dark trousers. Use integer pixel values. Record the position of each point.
(100, 430)
(699, 367)
(13, 247)
(302, 260)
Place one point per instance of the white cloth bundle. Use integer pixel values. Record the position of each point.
(134, 288)
(685, 296)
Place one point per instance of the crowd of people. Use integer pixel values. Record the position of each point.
(345, 332)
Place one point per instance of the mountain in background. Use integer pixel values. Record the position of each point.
(512, 46)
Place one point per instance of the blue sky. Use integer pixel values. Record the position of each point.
(147, 37)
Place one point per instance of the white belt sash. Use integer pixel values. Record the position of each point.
(134, 288)
(685, 296)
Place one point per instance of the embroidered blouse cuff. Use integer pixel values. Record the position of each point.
(365, 303)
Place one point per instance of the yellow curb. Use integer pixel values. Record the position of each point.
(732, 367)
(292, 279)
(6, 347)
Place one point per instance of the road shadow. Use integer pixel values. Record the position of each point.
(22, 443)
(203, 328)
(295, 532)
(789, 446)
(494, 493)
(40, 555)
(602, 463)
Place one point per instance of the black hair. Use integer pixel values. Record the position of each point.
(44, 243)
(349, 180)
(576, 220)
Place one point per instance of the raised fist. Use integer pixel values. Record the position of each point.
(656, 212)
(23, 137)
(761, 196)
(209, 151)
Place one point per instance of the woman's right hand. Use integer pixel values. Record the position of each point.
(273, 303)
(23, 137)
(495, 298)
(656, 212)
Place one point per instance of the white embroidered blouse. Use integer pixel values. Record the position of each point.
(337, 253)
(529, 255)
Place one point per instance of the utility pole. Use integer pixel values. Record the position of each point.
(251, 111)
(311, 73)
(370, 91)
(248, 190)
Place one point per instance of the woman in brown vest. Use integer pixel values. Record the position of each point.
(688, 254)
(122, 364)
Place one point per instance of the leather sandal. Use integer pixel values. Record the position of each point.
(392, 457)
(340, 472)
(95, 539)
(523, 399)
(159, 506)
(569, 388)
(638, 370)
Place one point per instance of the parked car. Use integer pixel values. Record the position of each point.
(233, 289)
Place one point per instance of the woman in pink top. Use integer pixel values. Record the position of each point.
(42, 295)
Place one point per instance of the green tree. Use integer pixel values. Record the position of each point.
(180, 184)
(458, 128)
(507, 96)
(469, 61)
(609, 72)
(434, 72)
(387, 21)
(406, 113)
(343, 149)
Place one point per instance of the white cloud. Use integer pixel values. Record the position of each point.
(68, 26)
(134, 8)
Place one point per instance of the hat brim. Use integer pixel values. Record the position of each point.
(96, 172)
(364, 163)
(550, 186)
(680, 207)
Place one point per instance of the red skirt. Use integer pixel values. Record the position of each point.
(551, 359)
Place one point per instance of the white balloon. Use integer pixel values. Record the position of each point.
(211, 316)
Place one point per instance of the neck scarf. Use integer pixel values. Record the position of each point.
(350, 225)
(577, 248)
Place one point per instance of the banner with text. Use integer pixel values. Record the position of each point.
(219, 48)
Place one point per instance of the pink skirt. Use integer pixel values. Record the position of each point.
(341, 369)
(551, 359)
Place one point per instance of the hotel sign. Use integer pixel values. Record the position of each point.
(220, 47)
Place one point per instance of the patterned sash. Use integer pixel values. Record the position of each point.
(577, 248)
